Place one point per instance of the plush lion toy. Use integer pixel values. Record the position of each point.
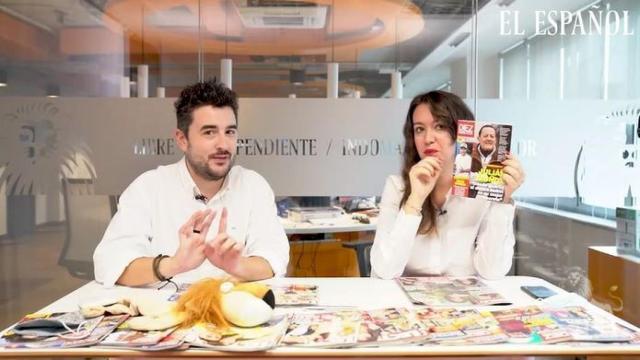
(209, 301)
(220, 302)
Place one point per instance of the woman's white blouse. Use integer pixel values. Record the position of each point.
(474, 237)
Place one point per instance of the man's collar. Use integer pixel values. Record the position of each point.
(482, 154)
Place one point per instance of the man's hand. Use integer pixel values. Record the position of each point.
(224, 252)
(190, 253)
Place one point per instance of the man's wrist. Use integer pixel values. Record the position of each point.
(237, 269)
(169, 267)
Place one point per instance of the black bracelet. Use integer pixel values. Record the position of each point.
(156, 268)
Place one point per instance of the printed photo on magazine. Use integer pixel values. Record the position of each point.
(236, 339)
(449, 291)
(529, 325)
(584, 326)
(295, 294)
(391, 326)
(481, 147)
(450, 326)
(333, 329)
(133, 338)
(175, 340)
(92, 331)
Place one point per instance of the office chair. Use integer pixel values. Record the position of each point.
(86, 217)
(363, 254)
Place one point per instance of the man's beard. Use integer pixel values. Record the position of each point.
(202, 169)
(486, 152)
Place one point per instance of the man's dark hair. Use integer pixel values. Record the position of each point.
(495, 131)
(210, 92)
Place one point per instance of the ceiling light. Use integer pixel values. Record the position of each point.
(53, 91)
(505, 3)
(458, 39)
(3, 78)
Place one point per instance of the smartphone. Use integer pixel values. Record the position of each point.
(538, 292)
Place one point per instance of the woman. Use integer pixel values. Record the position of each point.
(422, 230)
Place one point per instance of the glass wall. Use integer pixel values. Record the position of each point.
(565, 75)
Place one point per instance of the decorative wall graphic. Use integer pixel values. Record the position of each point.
(38, 144)
(608, 166)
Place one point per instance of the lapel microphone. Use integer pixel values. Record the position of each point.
(441, 212)
(201, 197)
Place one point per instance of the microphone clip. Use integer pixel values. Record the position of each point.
(201, 197)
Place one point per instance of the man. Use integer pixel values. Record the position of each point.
(463, 160)
(485, 152)
(201, 216)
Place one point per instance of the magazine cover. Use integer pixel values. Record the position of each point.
(295, 294)
(583, 326)
(96, 329)
(323, 329)
(127, 338)
(530, 325)
(43, 325)
(480, 150)
(237, 339)
(449, 291)
(286, 294)
(391, 326)
(175, 340)
(449, 326)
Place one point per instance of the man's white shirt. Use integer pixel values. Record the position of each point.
(155, 205)
(463, 163)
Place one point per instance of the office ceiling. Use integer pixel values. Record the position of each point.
(269, 40)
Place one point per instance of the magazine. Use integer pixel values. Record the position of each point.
(481, 148)
(391, 326)
(450, 291)
(583, 326)
(295, 294)
(98, 328)
(43, 325)
(259, 338)
(175, 340)
(181, 289)
(530, 325)
(127, 338)
(323, 329)
(449, 326)
(286, 294)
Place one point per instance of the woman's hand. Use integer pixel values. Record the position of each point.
(423, 177)
(512, 176)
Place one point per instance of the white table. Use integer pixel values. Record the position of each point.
(341, 224)
(361, 292)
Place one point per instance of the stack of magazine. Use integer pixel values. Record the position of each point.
(46, 330)
(450, 326)
(448, 311)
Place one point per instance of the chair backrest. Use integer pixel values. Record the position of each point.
(86, 216)
(366, 267)
(363, 254)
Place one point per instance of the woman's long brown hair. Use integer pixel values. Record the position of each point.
(446, 108)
